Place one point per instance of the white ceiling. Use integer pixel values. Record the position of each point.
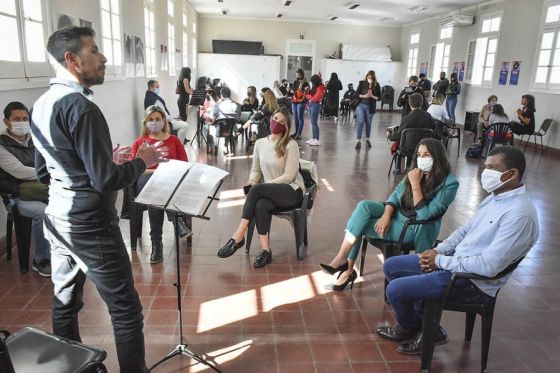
(370, 12)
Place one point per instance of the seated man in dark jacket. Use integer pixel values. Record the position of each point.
(345, 103)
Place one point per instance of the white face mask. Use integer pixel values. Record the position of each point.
(20, 128)
(425, 163)
(155, 127)
(491, 180)
(370, 80)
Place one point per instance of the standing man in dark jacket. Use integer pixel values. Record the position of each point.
(441, 86)
(75, 155)
(407, 92)
(426, 85)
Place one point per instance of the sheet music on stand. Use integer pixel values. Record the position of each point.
(182, 186)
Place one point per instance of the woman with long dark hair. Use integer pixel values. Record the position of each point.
(251, 102)
(184, 90)
(315, 96)
(453, 90)
(425, 192)
(274, 183)
(298, 101)
(369, 92)
(332, 96)
(526, 116)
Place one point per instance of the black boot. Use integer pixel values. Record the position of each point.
(157, 252)
(182, 229)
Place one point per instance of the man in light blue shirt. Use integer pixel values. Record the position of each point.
(502, 231)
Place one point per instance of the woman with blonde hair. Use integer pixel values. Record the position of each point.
(251, 102)
(437, 110)
(274, 184)
(155, 128)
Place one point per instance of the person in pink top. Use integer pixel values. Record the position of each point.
(315, 96)
(156, 129)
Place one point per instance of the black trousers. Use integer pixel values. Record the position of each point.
(155, 215)
(263, 199)
(96, 252)
(182, 102)
(520, 129)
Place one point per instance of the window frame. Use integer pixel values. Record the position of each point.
(13, 73)
(552, 27)
(151, 70)
(413, 48)
(185, 39)
(446, 43)
(112, 69)
(171, 39)
(468, 70)
(481, 57)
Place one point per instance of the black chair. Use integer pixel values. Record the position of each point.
(297, 218)
(497, 133)
(259, 129)
(22, 226)
(227, 128)
(410, 137)
(434, 308)
(31, 350)
(392, 248)
(540, 133)
(387, 96)
(449, 132)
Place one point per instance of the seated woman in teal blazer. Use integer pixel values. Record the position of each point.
(424, 193)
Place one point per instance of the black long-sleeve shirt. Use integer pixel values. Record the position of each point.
(74, 153)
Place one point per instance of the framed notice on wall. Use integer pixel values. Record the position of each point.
(515, 71)
(504, 70)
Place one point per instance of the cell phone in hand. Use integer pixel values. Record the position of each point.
(246, 188)
(408, 90)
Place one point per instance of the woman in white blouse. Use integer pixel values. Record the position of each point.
(274, 183)
(436, 109)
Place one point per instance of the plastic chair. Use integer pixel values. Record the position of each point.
(410, 137)
(387, 96)
(226, 130)
(434, 308)
(452, 132)
(498, 133)
(22, 226)
(540, 133)
(297, 218)
(31, 350)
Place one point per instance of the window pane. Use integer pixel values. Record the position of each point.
(541, 75)
(34, 41)
(490, 59)
(495, 24)
(492, 44)
(32, 9)
(547, 40)
(117, 52)
(555, 75)
(115, 6)
(194, 27)
(116, 27)
(108, 50)
(447, 49)
(8, 6)
(146, 17)
(544, 58)
(184, 19)
(170, 10)
(10, 44)
(106, 24)
(488, 73)
(486, 25)
(553, 14)
(556, 60)
(105, 5)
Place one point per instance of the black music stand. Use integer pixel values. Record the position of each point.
(197, 99)
(183, 348)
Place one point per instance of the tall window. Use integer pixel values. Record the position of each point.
(111, 35)
(470, 60)
(413, 53)
(171, 38)
(150, 44)
(441, 53)
(185, 39)
(547, 70)
(194, 57)
(486, 48)
(22, 26)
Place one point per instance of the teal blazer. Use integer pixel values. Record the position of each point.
(425, 235)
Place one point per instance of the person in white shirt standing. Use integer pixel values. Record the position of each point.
(274, 183)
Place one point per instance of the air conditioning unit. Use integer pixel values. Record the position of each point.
(457, 20)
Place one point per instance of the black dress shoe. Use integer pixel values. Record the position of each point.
(182, 229)
(368, 144)
(394, 333)
(350, 280)
(157, 252)
(332, 270)
(263, 258)
(230, 248)
(414, 347)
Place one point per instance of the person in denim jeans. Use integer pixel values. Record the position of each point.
(453, 90)
(369, 92)
(298, 102)
(315, 96)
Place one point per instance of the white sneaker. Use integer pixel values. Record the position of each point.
(310, 141)
(315, 143)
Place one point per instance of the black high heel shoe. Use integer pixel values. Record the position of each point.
(350, 280)
(332, 270)
(230, 248)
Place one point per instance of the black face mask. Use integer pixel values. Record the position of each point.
(285, 84)
(249, 94)
(299, 78)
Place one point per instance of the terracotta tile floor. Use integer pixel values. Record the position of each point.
(281, 318)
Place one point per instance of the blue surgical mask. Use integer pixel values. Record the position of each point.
(156, 91)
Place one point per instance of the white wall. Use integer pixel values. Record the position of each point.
(273, 35)
(121, 100)
(518, 42)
